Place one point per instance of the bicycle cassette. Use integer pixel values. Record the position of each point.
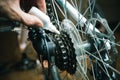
(63, 46)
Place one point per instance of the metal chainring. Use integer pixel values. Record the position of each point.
(65, 52)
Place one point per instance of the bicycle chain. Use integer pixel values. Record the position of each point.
(50, 12)
(65, 57)
(71, 54)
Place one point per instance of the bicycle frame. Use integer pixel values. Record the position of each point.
(76, 15)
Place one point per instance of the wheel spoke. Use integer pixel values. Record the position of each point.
(86, 27)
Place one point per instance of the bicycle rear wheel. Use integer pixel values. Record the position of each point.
(86, 45)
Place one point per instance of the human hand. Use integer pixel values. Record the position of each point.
(11, 9)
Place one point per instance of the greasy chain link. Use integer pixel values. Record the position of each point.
(65, 52)
(50, 12)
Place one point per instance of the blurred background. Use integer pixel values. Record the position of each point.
(12, 55)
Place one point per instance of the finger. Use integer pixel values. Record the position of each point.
(27, 4)
(13, 11)
(30, 20)
(26, 18)
(41, 5)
